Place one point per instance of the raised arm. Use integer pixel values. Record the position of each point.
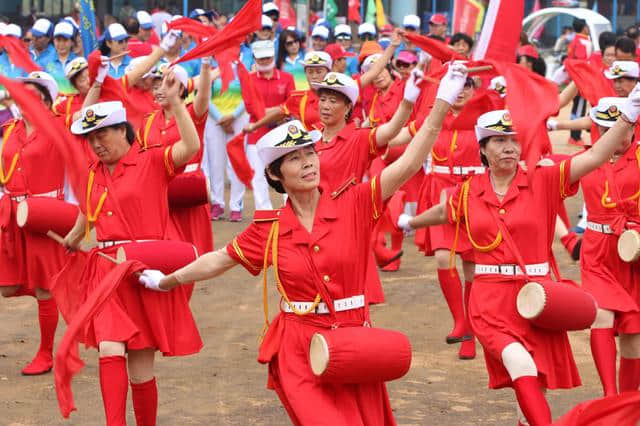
(401, 170)
(436, 215)
(201, 101)
(188, 145)
(611, 141)
(93, 95)
(391, 128)
(567, 94)
(379, 65)
(582, 123)
(144, 66)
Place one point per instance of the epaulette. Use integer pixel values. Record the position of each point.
(351, 181)
(266, 215)
(297, 93)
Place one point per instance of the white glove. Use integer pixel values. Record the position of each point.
(631, 106)
(452, 83)
(403, 222)
(15, 111)
(206, 60)
(150, 278)
(169, 40)
(552, 124)
(560, 76)
(103, 69)
(411, 89)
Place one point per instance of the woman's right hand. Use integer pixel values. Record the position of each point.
(171, 88)
(248, 128)
(151, 279)
(631, 107)
(452, 83)
(70, 242)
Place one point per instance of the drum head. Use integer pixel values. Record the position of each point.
(531, 300)
(318, 354)
(121, 255)
(22, 213)
(629, 245)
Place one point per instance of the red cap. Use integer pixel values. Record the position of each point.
(438, 19)
(528, 50)
(386, 29)
(336, 51)
(369, 48)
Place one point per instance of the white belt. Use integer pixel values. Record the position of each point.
(20, 198)
(537, 269)
(191, 167)
(353, 302)
(111, 243)
(458, 170)
(603, 228)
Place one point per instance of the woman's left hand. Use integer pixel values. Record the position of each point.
(151, 279)
(171, 88)
(411, 88)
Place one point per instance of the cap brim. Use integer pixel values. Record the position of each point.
(603, 123)
(67, 36)
(340, 89)
(50, 86)
(271, 154)
(482, 133)
(116, 117)
(146, 26)
(611, 76)
(262, 55)
(120, 37)
(37, 33)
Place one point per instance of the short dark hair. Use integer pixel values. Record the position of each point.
(274, 169)
(579, 24)
(606, 39)
(130, 133)
(461, 36)
(132, 25)
(632, 32)
(626, 45)
(483, 158)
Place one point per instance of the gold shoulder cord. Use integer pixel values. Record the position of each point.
(465, 203)
(93, 217)
(272, 241)
(452, 148)
(6, 178)
(613, 205)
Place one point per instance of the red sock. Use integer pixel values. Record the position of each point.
(452, 291)
(145, 402)
(468, 347)
(603, 350)
(532, 401)
(48, 319)
(114, 384)
(629, 374)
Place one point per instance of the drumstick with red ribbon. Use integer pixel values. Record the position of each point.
(58, 238)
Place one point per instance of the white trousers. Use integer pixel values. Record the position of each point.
(259, 181)
(215, 162)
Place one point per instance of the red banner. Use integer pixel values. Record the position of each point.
(354, 12)
(287, 13)
(465, 16)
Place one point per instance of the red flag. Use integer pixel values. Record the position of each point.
(435, 48)
(111, 89)
(354, 11)
(192, 27)
(238, 159)
(619, 410)
(253, 101)
(287, 13)
(589, 79)
(246, 21)
(18, 54)
(224, 60)
(524, 89)
(501, 31)
(483, 101)
(42, 119)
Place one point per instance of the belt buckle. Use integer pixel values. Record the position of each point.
(507, 269)
(456, 170)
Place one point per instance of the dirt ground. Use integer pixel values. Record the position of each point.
(224, 385)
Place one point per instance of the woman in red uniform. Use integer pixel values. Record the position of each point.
(77, 72)
(323, 243)
(611, 198)
(30, 166)
(122, 184)
(524, 204)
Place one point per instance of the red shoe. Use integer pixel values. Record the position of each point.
(575, 142)
(384, 256)
(393, 266)
(235, 217)
(42, 363)
(467, 349)
(216, 212)
(572, 243)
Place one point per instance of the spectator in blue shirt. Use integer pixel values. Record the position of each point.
(344, 37)
(115, 42)
(63, 35)
(7, 68)
(41, 48)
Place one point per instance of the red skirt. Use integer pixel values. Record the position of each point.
(139, 317)
(309, 401)
(496, 323)
(193, 225)
(614, 284)
(26, 258)
(440, 237)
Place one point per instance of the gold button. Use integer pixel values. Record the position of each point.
(163, 132)
(502, 211)
(19, 169)
(316, 248)
(608, 198)
(109, 213)
(326, 278)
(278, 213)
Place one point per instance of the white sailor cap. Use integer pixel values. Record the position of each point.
(340, 83)
(284, 139)
(366, 28)
(144, 19)
(411, 21)
(44, 80)
(607, 111)
(342, 31)
(263, 49)
(179, 71)
(134, 63)
(499, 84)
(494, 123)
(369, 60)
(622, 69)
(97, 116)
(74, 66)
(320, 31)
(317, 58)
